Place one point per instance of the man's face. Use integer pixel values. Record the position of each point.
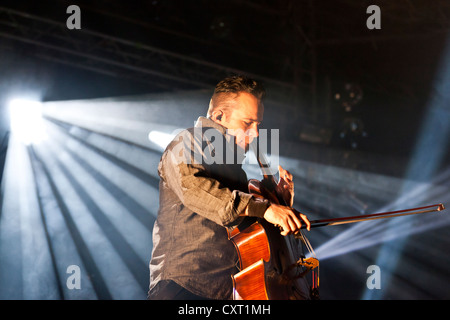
(243, 120)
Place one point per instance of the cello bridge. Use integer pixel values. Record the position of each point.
(309, 263)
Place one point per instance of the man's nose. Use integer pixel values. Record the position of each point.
(254, 132)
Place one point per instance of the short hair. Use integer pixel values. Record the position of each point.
(228, 89)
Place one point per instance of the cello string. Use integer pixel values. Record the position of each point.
(308, 244)
(314, 273)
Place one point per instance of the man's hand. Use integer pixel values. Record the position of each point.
(285, 186)
(286, 218)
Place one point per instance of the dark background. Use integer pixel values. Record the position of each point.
(316, 46)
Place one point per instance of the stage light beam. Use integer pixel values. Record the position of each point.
(26, 121)
(161, 139)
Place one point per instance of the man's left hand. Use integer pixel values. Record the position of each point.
(285, 186)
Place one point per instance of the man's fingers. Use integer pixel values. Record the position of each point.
(288, 219)
(305, 219)
(284, 174)
(295, 222)
(291, 223)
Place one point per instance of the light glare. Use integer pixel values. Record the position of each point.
(162, 139)
(26, 121)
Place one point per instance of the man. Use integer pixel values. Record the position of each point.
(204, 191)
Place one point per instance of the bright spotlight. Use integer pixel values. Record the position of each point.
(26, 120)
(162, 139)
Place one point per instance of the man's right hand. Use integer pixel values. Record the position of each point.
(286, 218)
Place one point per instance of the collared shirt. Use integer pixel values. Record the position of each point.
(203, 191)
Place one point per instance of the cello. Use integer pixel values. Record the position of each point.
(273, 266)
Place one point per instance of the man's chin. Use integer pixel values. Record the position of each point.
(244, 147)
(244, 144)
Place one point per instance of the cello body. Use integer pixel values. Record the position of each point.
(268, 264)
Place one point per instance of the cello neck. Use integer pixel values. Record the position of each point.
(264, 165)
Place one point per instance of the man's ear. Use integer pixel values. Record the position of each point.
(217, 116)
